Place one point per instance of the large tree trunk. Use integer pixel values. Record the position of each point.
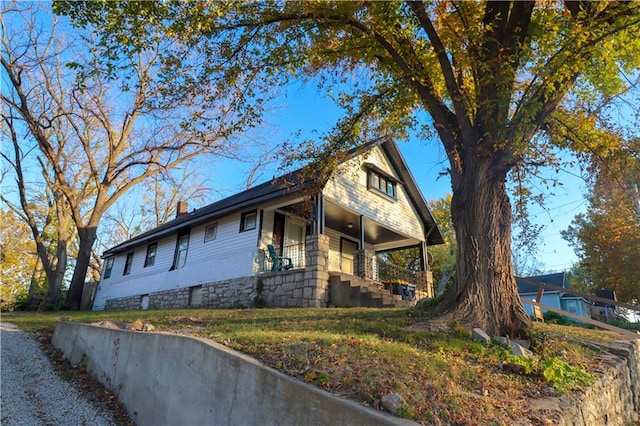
(86, 237)
(484, 292)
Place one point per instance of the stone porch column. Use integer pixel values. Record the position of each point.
(316, 273)
(364, 264)
(424, 283)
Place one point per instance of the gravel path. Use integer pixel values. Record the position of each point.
(32, 393)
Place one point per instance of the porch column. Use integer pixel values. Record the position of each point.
(364, 263)
(424, 284)
(316, 272)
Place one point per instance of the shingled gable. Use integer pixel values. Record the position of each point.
(290, 184)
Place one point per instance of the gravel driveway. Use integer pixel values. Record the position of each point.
(32, 393)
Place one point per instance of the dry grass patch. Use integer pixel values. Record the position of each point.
(363, 354)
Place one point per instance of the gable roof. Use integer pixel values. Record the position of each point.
(288, 185)
(558, 279)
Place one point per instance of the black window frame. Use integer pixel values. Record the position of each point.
(128, 263)
(108, 267)
(243, 220)
(215, 232)
(151, 260)
(382, 184)
(181, 235)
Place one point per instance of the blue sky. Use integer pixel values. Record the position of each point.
(303, 109)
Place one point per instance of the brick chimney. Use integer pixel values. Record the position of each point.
(182, 208)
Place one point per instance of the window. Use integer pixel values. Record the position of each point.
(195, 296)
(383, 184)
(248, 221)
(182, 247)
(108, 266)
(151, 255)
(210, 232)
(127, 264)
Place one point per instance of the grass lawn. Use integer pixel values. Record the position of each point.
(363, 354)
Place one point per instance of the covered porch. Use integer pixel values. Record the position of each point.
(356, 245)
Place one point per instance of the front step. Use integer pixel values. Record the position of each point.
(349, 291)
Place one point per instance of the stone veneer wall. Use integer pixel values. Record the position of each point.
(131, 302)
(316, 274)
(613, 400)
(364, 263)
(238, 292)
(283, 289)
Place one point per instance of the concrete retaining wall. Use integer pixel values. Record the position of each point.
(169, 380)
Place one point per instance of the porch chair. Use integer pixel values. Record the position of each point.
(278, 263)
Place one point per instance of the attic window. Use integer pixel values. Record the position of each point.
(248, 220)
(382, 184)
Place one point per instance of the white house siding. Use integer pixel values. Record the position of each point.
(230, 255)
(348, 188)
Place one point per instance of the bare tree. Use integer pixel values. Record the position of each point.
(102, 131)
(45, 212)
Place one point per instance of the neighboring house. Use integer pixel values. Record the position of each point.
(551, 297)
(606, 311)
(217, 256)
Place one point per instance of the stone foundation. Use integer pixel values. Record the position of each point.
(233, 293)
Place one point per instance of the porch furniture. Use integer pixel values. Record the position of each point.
(278, 263)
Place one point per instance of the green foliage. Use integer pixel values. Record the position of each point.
(555, 318)
(444, 255)
(563, 376)
(17, 259)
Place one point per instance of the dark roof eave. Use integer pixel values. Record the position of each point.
(200, 216)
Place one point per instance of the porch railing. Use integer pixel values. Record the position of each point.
(296, 252)
(403, 281)
(390, 272)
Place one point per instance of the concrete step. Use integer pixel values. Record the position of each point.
(357, 292)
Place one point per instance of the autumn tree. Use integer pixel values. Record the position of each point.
(607, 237)
(444, 255)
(17, 258)
(102, 128)
(491, 77)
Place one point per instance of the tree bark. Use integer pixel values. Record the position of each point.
(484, 292)
(86, 237)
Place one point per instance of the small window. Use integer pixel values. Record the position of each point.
(210, 232)
(150, 260)
(195, 296)
(180, 257)
(572, 306)
(391, 189)
(108, 266)
(382, 184)
(248, 221)
(127, 264)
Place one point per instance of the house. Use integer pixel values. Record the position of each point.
(552, 297)
(329, 233)
(603, 311)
